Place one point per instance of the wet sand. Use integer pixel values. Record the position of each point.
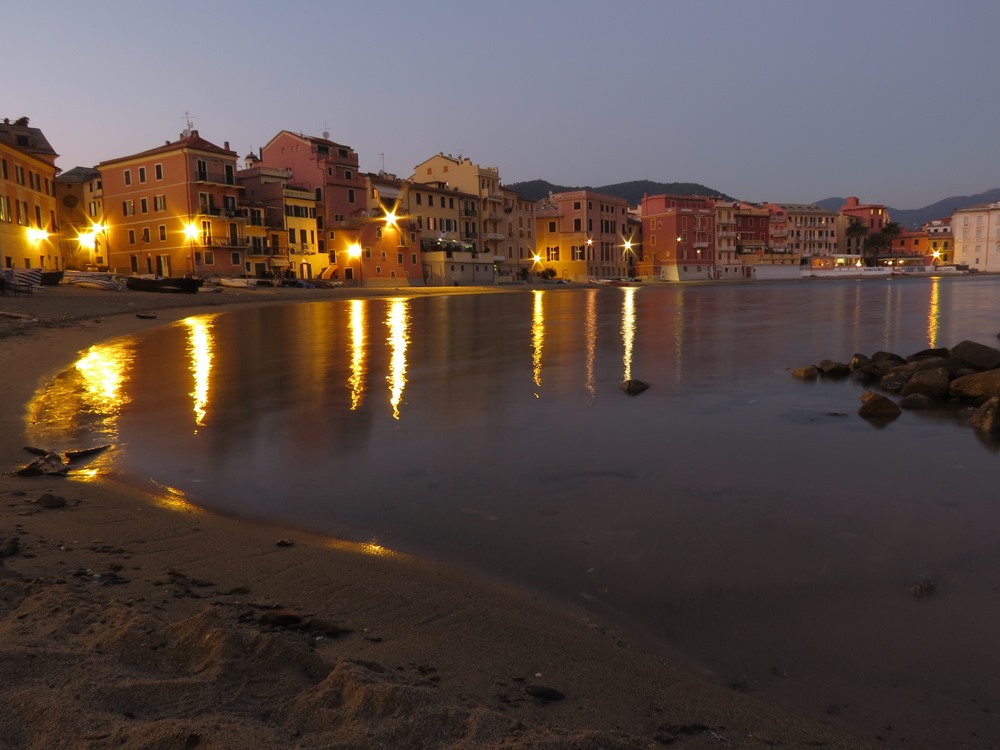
(136, 621)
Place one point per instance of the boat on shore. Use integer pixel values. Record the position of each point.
(166, 284)
(235, 283)
(94, 280)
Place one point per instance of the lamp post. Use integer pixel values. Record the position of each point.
(191, 230)
(354, 251)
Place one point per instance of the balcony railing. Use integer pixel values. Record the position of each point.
(220, 178)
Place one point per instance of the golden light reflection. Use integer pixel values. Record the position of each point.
(373, 549)
(628, 328)
(82, 404)
(933, 313)
(399, 336)
(201, 345)
(174, 499)
(537, 336)
(591, 329)
(357, 380)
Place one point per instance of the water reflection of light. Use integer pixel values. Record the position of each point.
(537, 336)
(628, 329)
(85, 399)
(933, 313)
(201, 345)
(357, 380)
(174, 499)
(373, 549)
(591, 327)
(399, 336)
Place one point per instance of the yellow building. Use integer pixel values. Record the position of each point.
(29, 230)
(82, 236)
(583, 235)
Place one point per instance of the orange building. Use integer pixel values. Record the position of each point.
(939, 240)
(174, 210)
(584, 235)
(28, 225)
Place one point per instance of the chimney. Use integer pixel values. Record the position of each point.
(225, 145)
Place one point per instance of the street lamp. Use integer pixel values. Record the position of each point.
(354, 251)
(191, 230)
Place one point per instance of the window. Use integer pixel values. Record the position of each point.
(378, 232)
(158, 171)
(159, 202)
(552, 253)
(128, 176)
(163, 232)
(577, 225)
(133, 262)
(350, 196)
(3, 170)
(145, 234)
(234, 258)
(18, 174)
(348, 174)
(291, 236)
(142, 174)
(131, 236)
(576, 205)
(144, 205)
(552, 226)
(413, 258)
(430, 200)
(419, 196)
(209, 258)
(128, 208)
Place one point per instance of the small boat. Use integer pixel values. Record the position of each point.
(238, 283)
(177, 285)
(94, 280)
(52, 278)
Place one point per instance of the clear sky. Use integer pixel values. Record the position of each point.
(895, 101)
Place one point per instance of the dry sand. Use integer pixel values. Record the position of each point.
(125, 623)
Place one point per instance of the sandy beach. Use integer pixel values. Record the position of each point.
(137, 621)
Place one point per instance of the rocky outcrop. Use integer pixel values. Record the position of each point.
(966, 376)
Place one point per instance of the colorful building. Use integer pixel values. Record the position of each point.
(976, 236)
(939, 241)
(678, 234)
(29, 229)
(874, 216)
(584, 235)
(811, 230)
(519, 248)
(82, 235)
(175, 210)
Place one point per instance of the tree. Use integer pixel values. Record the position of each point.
(874, 245)
(856, 232)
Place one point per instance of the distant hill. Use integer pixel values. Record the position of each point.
(912, 218)
(631, 191)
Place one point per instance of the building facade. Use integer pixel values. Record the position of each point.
(678, 233)
(29, 227)
(175, 210)
(82, 235)
(976, 236)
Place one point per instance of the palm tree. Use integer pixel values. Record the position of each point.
(855, 233)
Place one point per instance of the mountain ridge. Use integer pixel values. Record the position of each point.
(632, 192)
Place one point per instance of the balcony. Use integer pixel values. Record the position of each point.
(726, 233)
(471, 212)
(702, 245)
(219, 178)
(494, 236)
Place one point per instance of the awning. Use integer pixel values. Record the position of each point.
(278, 262)
(387, 191)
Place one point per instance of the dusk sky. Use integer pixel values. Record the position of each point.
(895, 101)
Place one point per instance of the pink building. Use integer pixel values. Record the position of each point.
(678, 235)
(872, 215)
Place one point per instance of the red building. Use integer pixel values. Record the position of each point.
(678, 236)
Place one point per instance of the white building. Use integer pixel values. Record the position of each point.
(976, 236)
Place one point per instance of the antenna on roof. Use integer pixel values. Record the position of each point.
(382, 157)
(186, 133)
(326, 131)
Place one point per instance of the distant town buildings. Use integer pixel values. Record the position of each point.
(301, 210)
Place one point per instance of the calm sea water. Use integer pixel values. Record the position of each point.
(751, 521)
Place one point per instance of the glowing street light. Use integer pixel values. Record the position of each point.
(191, 231)
(354, 251)
(36, 235)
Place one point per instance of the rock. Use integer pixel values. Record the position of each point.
(327, 628)
(833, 369)
(858, 361)
(806, 372)
(895, 381)
(893, 359)
(284, 543)
(543, 693)
(923, 587)
(916, 401)
(933, 383)
(281, 618)
(929, 354)
(48, 464)
(876, 406)
(50, 501)
(146, 316)
(986, 418)
(976, 385)
(978, 356)
(634, 387)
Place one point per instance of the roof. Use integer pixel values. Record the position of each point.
(27, 139)
(79, 174)
(191, 141)
(311, 139)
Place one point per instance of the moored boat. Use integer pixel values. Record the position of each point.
(170, 285)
